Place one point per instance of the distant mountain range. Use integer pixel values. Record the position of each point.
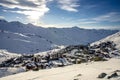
(22, 38)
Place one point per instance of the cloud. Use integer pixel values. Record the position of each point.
(86, 21)
(19, 17)
(68, 5)
(33, 9)
(110, 17)
(2, 17)
(101, 27)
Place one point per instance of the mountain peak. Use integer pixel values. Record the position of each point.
(3, 20)
(16, 22)
(75, 27)
(30, 24)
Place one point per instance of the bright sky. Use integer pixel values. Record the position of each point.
(63, 13)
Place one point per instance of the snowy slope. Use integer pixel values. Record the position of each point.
(89, 71)
(4, 55)
(115, 38)
(17, 37)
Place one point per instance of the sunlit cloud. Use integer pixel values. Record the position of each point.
(33, 9)
(68, 5)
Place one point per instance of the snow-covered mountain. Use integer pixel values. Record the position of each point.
(115, 38)
(82, 55)
(17, 37)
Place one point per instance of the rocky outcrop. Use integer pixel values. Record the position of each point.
(102, 75)
(73, 54)
(114, 74)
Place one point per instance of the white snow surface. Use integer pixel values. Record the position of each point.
(88, 71)
(10, 71)
(4, 55)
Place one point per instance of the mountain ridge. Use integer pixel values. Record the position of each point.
(115, 38)
(22, 38)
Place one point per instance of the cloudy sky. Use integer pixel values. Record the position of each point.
(63, 13)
